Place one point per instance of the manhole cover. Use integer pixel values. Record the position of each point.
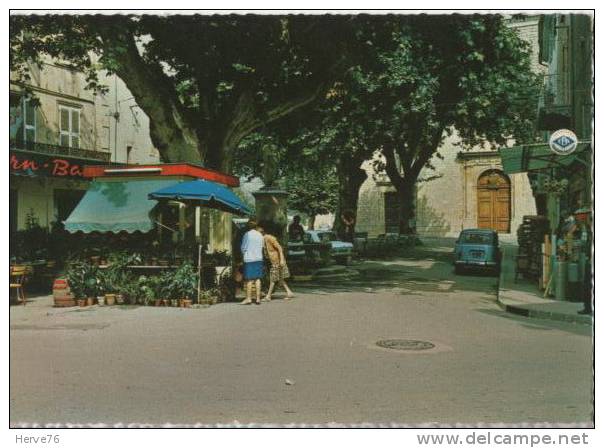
(405, 344)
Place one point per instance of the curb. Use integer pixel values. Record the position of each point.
(539, 314)
(548, 315)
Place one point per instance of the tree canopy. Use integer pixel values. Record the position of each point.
(326, 90)
(204, 81)
(431, 76)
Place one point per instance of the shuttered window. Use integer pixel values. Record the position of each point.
(69, 127)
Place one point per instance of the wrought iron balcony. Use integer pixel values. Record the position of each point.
(64, 151)
(554, 109)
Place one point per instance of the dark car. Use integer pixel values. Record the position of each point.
(477, 249)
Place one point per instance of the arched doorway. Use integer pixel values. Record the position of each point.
(493, 199)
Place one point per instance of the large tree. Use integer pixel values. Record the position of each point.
(320, 151)
(433, 76)
(204, 81)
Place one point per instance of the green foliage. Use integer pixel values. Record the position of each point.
(203, 80)
(149, 287)
(439, 73)
(418, 79)
(116, 277)
(83, 278)
(432, 76)
(312, 191)
(183, 282)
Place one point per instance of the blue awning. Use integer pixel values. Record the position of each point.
(212, 194)
(116, 206)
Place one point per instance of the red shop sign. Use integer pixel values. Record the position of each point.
(27, 164)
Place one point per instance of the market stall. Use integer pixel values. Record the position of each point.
(179, 212)
(555, 246)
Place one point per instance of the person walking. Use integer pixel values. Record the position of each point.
(278, 265)
(252, 246)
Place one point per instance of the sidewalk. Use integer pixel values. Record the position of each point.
(524, 297)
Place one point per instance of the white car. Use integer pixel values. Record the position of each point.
(341, 251)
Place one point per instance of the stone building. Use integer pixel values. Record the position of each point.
(467, 189)
(51, 139)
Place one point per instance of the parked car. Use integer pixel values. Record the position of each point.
(477, 249)
(341, 251)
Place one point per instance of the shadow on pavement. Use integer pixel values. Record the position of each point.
(420, 270)
(532, 323)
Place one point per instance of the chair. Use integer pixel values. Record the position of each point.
(17, 281)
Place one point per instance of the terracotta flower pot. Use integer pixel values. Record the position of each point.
(90, 301)
(119, 299)
(82, 302)
(186, 303)
(166, 302)
(174, 302)
(157, 302)
(109, 299)
(64, 301)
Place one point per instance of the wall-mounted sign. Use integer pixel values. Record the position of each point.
(563, 142)
(28, 164)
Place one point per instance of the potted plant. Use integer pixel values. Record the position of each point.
(130, 291)
(208, 296)
(75, 278)
(149, 287)
(117, 275)
(162, 288)
(110, 280)
(83, 281)
(183, 284)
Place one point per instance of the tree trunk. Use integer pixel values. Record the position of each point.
(350, 179)
(406, 197)
(311, 222)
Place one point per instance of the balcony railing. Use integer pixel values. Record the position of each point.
(554, 109)
(63, 151)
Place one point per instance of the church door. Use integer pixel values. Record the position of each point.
(494, 201)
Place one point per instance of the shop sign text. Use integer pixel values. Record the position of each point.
(37, 165)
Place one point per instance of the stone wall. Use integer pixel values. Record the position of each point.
(370, 211)
(448, 204)
(446, 199)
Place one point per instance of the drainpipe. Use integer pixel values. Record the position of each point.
(116, 116)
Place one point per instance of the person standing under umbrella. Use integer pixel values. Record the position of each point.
(253, 266)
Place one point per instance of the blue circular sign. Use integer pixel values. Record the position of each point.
(563, 142)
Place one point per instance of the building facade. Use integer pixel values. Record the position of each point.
(62, 129)
(466, 189)
(566, 102)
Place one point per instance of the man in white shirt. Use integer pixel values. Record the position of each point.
(253, 264)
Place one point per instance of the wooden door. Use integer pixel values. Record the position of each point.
(493, 198)
(392, 212)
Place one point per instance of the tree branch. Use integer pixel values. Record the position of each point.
(427, 152)
(171, 128)
(391, 169)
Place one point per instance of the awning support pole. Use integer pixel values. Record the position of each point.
(198, 272)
